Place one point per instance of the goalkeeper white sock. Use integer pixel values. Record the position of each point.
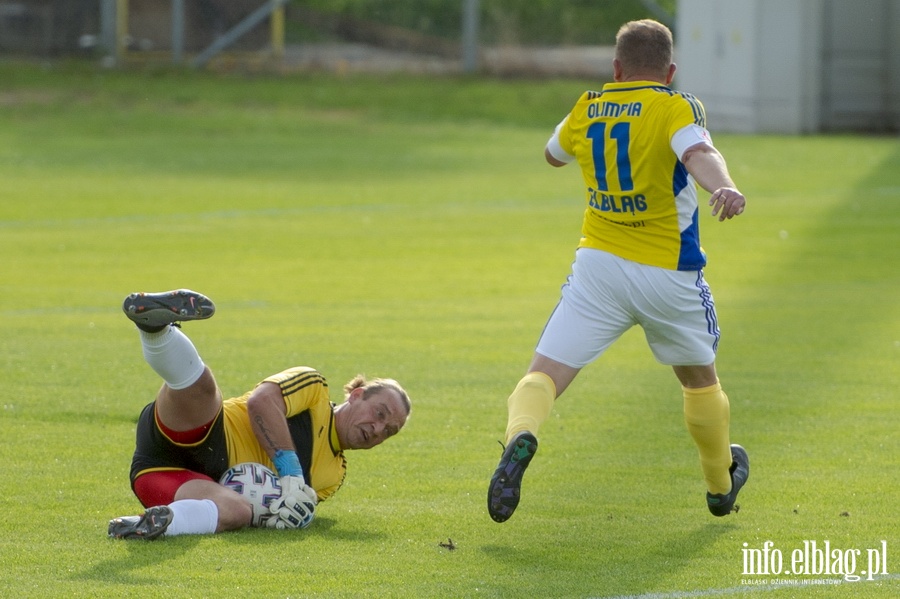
(172, 355)
(193, 517)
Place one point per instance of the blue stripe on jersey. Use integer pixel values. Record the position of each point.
(690, 256)
(679, 178)
(697, 108)
(712, 321)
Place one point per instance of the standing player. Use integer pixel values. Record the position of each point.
(641, 146)
(188, 437)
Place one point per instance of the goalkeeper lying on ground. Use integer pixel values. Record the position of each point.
(188, 437)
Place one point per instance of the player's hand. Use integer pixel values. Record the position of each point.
(727, 202)
(296, 507)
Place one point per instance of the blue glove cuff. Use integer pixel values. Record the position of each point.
(287, 463)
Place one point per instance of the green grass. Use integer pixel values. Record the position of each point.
(409, 228)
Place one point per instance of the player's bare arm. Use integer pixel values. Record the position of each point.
(551, 160)
(266, 409)
(554, 153)
(707, 166)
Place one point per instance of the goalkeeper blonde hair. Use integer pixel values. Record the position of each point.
(376, 385)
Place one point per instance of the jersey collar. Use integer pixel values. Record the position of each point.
(620, 86)
(332, 434)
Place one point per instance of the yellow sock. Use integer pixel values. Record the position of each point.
(707, 415)
(530, 403)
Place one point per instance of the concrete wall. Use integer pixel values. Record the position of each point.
(791, 66)
(861, 65)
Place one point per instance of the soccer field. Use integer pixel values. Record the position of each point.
(409, 228)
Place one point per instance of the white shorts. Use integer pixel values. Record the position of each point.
(606, 295)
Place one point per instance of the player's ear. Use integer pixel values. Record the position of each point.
(356, 394)
(672, 68)
(617, 70)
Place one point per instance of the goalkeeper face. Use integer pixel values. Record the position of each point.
(366, 419)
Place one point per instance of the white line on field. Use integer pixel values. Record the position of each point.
(746, 589)
(689, 594)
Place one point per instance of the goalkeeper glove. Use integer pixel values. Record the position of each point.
(296, 507)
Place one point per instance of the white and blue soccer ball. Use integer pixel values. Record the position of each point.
(257, 484)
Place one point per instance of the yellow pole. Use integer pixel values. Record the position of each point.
(121, 30)
(278, 31)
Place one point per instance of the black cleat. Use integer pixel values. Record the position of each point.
(152, 524)
(152, 312)
(503, 494)
(722, 505)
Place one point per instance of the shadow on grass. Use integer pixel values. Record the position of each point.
(827, 388)
(142, 561)
(140, 564)
(325, 528)
(620, 566)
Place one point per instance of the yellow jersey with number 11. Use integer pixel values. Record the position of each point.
(641, 201)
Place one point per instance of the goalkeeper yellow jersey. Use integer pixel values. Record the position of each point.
(310, 417)
(641, 201)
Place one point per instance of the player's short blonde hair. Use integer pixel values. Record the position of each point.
(644, 47)
(375, 385)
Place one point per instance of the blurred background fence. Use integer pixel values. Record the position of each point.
(759, 65)
(555, 37)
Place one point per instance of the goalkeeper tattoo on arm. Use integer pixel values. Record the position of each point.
(267, 414)
(259, 424)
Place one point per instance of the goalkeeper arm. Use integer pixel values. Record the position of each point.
(267, 409)
(296, 506)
